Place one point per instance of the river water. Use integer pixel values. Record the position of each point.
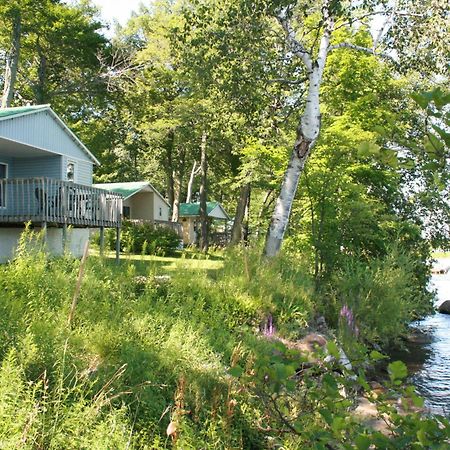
(429, 363)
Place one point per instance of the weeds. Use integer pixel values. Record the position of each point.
(144, 357)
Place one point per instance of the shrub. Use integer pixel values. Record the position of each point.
(145, 239)
(377, 298)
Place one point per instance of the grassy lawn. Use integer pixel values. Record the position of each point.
(166, 264)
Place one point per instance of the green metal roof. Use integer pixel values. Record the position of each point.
(125, 189)
(193, 209)
(129, 189)
(6, 112)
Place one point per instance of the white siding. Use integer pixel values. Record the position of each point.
(142, 206)
(43, 131)
(161, 209)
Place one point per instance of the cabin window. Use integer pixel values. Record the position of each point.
(160, 212)
(3, 175)
(126, 212)
(70, 171)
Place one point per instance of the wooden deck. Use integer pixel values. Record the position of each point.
(56, 202)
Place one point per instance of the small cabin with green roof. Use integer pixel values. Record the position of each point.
(46, 179)
(141, 201)
(189, 216)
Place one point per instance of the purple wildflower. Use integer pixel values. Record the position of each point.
(269, 327)
(346, 314)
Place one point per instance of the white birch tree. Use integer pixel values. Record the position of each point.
(333, 15)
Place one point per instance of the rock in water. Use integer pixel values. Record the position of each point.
(444, 308)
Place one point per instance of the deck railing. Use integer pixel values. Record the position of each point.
(58, 202)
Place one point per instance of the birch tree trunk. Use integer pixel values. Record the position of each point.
(12, 62)
(307, 132)
(237, 230)
(169, 167)
(203, 196)
(246, 224)
(176, 199)
(178, 181)
(194, 172)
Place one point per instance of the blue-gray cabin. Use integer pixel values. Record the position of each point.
(46, 175)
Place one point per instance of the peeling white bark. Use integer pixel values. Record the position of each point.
(12, 64)
(284, 203)
(195, 170)
(307, 132)
(204, 241)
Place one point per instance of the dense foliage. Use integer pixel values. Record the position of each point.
(192, 355)
(211, 359)
(144, 239)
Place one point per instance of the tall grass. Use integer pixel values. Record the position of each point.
(141, 353)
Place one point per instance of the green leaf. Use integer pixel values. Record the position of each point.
(280, 371)
(407, 164)
(417, 401)
(331, 383)
(333, 349)
(397, 370)
(389, 157)
(362, 442)
(368, 149)
(380, 130)
(326, 414)
(435, 142)
(377, 356)
(443, 134)
(422, 437)
(236, 371)
(421, 100)
(338, 424)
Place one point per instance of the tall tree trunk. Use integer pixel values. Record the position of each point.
(265, 205)
(307, 130)
(190, 186)
(169, 167)
(281, 214)
(204, 242)
(176, 199)
(237, 230)
(307, 133)
(246, 224)
(40, 87)
(12, 62)
(178, 186)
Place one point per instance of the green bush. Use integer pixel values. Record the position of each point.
(145, 239)
(382, 295)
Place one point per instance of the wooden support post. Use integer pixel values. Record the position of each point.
(117, 245)
(44, 233)
(102, 240)
(64, 238)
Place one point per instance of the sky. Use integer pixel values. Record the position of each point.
(119, 10)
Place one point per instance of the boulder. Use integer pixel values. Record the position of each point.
(444, 308)
(419, 337)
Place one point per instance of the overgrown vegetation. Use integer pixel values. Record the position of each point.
(190, 355)
(144, 239)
